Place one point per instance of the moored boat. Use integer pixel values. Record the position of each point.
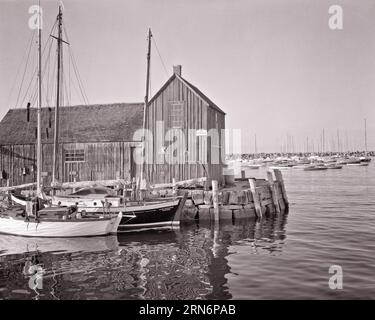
(151, 215)
(354, 162)
(365, 159)
(315, 168)
(89, 199)
(253, 166)
(333, 166)
(56, 222)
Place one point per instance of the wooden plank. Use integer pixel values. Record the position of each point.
(23, 186)
(273, 191)
(184, 183)
(256, 199)
(266, 202)
(279, 178)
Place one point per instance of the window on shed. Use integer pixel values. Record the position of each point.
(176, 115)
(77, 155)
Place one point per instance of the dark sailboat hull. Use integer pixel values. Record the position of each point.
(151, 216)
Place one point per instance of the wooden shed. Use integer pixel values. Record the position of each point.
(95, 143)
(99, 142)
(181, 108)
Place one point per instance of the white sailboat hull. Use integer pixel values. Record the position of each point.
(66, 228)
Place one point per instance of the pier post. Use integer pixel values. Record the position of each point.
(242, 174)
(134, 186)
(74, 180)
(279, 178)
(215, 200)
(257, 205)
(273, 191)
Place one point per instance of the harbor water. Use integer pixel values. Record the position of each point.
(331, 221)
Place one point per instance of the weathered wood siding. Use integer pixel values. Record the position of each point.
(102, 161)
(197, 114)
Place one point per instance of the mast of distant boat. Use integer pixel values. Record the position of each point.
(39, 132)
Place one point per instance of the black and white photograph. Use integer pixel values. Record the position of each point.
(187, 150)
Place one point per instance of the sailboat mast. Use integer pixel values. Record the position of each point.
(39, 131)
(59, 73)
(365, 137)
(148, 67)
(146, 97)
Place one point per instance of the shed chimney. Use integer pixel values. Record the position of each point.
(177, 69)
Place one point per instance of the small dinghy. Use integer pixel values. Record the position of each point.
(57, 222)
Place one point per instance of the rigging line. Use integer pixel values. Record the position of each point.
(69, 79)
(36, 69)
(34, 79)
(80, 83)
(75, 68)
(65, 87)
(48, 75)
(19, 69)
(161, 59)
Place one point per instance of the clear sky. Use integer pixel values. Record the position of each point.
(274, 66)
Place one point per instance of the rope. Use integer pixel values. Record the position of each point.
(76, 71)
(161, 59)
(19, 68)
(36, 71)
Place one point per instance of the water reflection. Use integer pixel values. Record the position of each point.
(189, 263)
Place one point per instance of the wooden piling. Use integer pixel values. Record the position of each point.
(74, 180)
(273, 191)
(279, 178)
(133, 187)
(256, 200)
(243, 174)
(215, 200)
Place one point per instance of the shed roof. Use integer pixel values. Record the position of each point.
(199, 93)
(82, 123)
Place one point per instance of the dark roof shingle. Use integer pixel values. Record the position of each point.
(92, 123)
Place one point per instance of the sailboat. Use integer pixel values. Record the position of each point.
(53, 221)
(366, 158)
(143, 214)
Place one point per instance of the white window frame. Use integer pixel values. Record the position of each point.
(73, 155)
